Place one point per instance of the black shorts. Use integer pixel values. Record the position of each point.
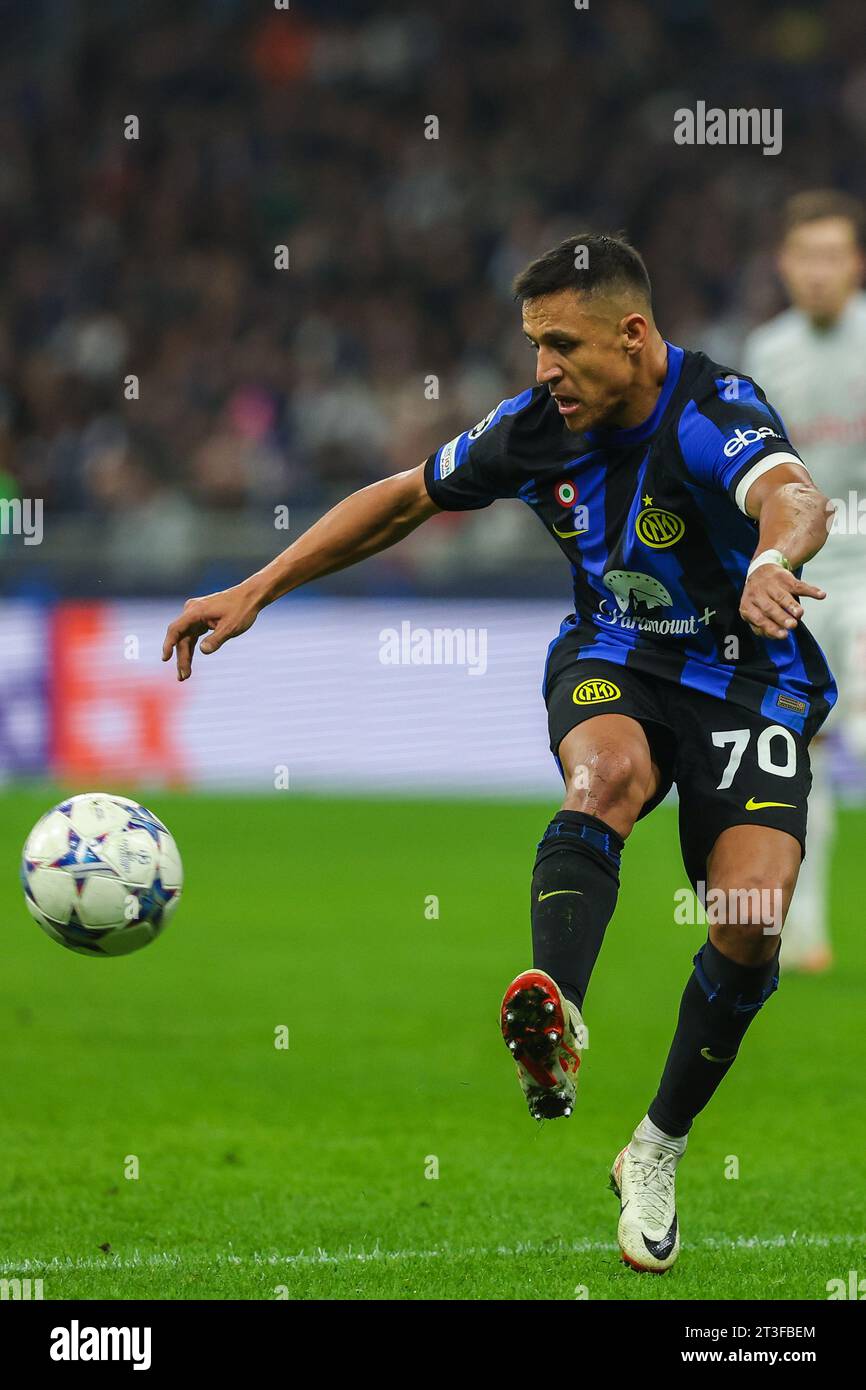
(731, 766)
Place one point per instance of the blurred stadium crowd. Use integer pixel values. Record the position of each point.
(305, 127)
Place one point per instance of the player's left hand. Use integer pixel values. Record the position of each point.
(771, 600)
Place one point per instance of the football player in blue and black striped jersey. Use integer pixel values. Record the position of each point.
(686, 516)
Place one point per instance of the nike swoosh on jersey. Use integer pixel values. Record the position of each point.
(555, 891)
(705, 1052)
(565, 535)
(753, 805)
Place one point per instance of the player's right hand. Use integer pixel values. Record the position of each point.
(222, 615)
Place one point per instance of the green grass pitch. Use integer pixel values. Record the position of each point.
(303, 1172)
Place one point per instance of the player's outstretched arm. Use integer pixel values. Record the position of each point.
(793, 517)
(362, 524)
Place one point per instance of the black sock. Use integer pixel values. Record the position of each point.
(718, 1004)
(574, 889)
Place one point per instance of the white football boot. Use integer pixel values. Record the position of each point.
(643, 1177)
(545, 1035)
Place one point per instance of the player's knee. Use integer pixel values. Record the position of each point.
(610, 779)
(746, 916)
(748, 943)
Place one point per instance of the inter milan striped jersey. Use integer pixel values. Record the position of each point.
(652, 520)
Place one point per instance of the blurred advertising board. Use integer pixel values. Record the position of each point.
(322, 695)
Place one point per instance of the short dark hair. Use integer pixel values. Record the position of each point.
(604, 263)
(819, 203)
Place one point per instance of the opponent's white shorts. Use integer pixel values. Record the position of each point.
(838, 624)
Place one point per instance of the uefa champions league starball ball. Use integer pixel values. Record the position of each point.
(101, 874)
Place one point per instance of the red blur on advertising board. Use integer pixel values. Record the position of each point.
(112, 715)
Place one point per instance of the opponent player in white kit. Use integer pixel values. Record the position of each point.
(811, 360)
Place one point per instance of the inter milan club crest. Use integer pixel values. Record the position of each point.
(657, 528)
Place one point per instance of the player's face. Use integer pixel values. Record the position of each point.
(582, 355)
(821, 266)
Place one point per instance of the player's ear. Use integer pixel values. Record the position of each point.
(634, 328)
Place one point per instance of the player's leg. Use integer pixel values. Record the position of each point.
(751, 875)
(743, 781)
(611, 777)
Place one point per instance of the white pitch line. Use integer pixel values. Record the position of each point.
(795, 1240)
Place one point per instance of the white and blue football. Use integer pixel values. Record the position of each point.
(101, 874)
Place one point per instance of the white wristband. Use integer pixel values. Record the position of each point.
(768, 557)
